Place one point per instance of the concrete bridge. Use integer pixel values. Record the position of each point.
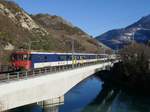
(24, 91)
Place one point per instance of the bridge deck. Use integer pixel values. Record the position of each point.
(21, 92)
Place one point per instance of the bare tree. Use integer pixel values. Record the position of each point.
(136, 58)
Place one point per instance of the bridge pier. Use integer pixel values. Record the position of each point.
(52, 105)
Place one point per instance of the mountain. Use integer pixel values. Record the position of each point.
(65, 32)
(43, 32)
(139, 31)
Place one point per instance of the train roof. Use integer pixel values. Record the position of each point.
(26, 52)
(62, 53)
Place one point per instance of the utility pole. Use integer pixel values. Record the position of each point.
(71, 42)
(116, 50)
(0, 58)
(73, 58)
(133, 38)
(104, 50)
(29, 48)
(30, 44)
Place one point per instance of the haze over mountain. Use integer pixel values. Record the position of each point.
(44, 32)
(117, 38)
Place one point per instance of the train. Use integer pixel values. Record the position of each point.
(34, 60)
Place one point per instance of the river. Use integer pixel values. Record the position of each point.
(91, 96)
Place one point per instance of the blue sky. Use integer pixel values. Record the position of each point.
(93, 16)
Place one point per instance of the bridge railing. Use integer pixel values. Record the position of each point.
(42, 71)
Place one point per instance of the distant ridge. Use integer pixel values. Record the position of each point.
(120, 37)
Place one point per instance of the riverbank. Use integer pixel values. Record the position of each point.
(119, 77)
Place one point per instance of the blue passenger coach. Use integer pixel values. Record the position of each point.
(32, 60)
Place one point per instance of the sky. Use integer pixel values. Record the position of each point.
(93, 16)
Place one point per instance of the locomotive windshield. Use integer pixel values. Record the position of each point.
(18, 57)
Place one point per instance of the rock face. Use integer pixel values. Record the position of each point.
(139, 31)
(18, 29)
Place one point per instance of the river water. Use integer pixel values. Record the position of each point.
(91, 96)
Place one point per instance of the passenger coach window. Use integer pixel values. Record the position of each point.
(19, 57)
(45, 58)
(78, 57)
(25, 57)
(69, 57)
(63, 57)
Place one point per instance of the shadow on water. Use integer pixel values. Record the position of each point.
(114, 100)
(81, 95)
(103, 101)
(126, 102)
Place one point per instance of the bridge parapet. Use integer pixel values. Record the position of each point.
(14, 76)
